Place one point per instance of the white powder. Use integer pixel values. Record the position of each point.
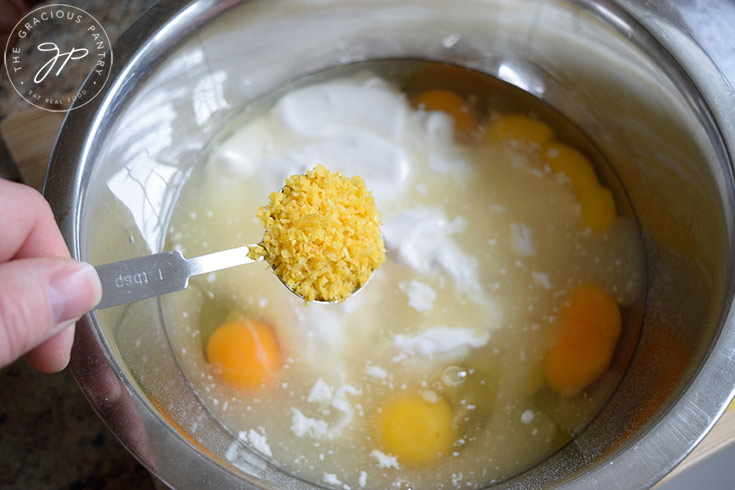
(331, 479)
(527, 416)
(385, 460)
(430, 396)
(420, 237)
(340, 401)
(376, 372)
(302, 425)
(321, 392)
(421, 296)
(259, 442)
(438, 340)
(363, 479)
(451, 40)
(240, 457)
(541, 279)
(232, 452)
(521, 243)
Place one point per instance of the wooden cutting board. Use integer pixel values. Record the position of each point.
(30, 136)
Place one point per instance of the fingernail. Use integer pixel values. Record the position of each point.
(73, 291)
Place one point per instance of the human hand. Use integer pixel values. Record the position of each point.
(43, 292)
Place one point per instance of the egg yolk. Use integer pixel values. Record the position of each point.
(415, 430)
(584, 340)
(597, 203)
(244, 354)
(598, 207)
(465, 122)
(516, 127)
(564, 159)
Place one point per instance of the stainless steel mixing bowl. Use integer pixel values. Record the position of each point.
(645, 93)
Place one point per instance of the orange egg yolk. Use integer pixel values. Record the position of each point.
(415, 430)
(245, 354)
(598, 208)
(584, 341)
(596, 202)
(516, 127)
(564, 159)
(465, 122)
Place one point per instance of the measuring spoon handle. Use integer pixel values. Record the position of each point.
(162, 273)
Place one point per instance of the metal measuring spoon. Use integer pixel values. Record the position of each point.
(166, 272)
(162, 273)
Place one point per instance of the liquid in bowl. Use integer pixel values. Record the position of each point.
(486, 247)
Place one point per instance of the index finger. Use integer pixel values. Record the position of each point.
(29, 227)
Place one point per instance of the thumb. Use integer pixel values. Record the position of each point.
(38, 298)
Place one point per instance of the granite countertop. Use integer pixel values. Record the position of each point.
(50, 438)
